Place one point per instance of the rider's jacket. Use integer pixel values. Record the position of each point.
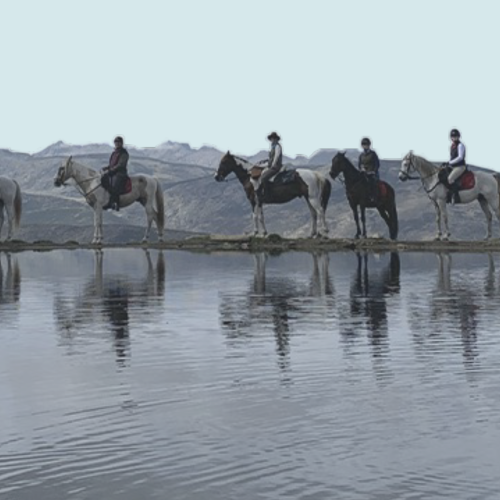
(275, 156)
(118, 161)
(369, 162)
(457, 155)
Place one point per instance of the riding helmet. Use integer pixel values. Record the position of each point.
(118, 139)
(454, 133)
(366, 142)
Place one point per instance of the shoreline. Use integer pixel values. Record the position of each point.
(217, 243)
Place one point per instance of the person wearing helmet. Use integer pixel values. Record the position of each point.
(115, 174)
(369, 164)
(274, 162)
(457, 164)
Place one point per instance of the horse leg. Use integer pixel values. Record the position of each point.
(314, 219)
(438, 221)
(354, 209)
(97, 225)
(10, 220)
(150, 216)
(487, 213)
(444, 212)
(363, 220)
(385, 216)
(320, 214)
(261, 220)
(255, 220)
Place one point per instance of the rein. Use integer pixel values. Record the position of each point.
(422, 179)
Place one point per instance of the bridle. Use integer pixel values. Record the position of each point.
(407, 176)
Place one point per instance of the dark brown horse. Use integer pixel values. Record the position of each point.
(358, 194)
(312, 186)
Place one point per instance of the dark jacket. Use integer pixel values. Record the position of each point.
(118, 161)
(369, 162)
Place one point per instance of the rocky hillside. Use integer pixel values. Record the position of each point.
(196, 203)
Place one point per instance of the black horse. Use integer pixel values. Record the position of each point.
(358, 194)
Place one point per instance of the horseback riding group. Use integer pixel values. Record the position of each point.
(270, 182)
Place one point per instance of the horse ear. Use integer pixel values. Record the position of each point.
(228, 152)
(70, 158)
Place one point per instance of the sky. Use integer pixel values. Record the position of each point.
(225, 73)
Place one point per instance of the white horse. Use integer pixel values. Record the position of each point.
(11, 201)
(145, 189)
(486, 190)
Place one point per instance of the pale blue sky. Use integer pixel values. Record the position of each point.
(227, 72)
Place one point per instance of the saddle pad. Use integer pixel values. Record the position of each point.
(128, 186)
(467, 180)
(382, 188)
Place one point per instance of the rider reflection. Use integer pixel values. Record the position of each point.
(368, 302)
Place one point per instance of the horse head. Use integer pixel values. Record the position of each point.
(226, 166)
(338, 164)
(407, 167)
(64, 172)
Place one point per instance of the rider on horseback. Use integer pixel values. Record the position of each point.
(369, 164)
(457, 164)
(115, 174)
(273, 163)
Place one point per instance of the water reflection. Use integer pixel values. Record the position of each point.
(452, 307)
(109, 299)
(368, 310)
(277, 301)
(10, 279)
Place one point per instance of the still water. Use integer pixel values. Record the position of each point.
(176, 375)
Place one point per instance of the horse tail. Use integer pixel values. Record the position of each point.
(160, 205)
(393, 216)
(326, 190)
(18, 205)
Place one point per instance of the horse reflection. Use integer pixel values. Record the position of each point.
(368, 297)
(108, 298)
(10, 280)
(451, 306)
(277, 302)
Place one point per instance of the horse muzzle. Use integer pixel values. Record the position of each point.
(403, 176)
(218, 177)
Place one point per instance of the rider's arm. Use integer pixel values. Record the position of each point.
(376, 162)
(461, 155)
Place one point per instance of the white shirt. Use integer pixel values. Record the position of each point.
(461, 155)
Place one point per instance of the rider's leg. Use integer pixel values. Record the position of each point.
(453, 181)
(264, 178)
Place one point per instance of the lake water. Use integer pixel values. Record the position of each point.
(179, 375)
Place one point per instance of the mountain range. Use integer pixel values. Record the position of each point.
(195, 203)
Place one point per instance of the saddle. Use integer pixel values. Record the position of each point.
(466, 181)
(281, 178)
(106, 183)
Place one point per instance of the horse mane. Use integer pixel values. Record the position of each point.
(81, 166)
(426, 164)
